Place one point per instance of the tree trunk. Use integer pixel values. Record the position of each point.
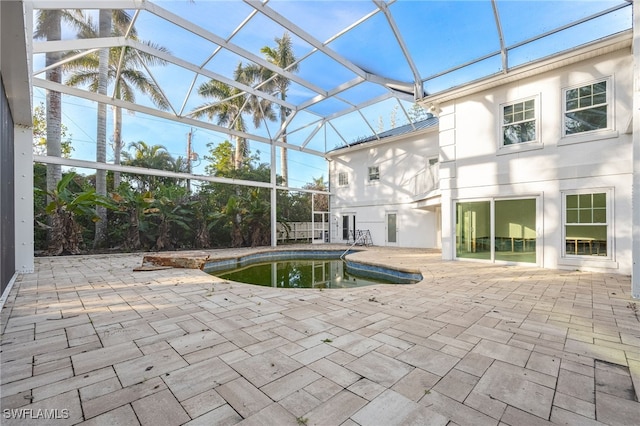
(101, 136)
(54, 111)
(283, 151)
(117, 143)
(132, 240)
(241, 148)
(202, 236)
(236, 236)
(66, 234)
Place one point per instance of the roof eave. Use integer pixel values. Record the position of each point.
(381, 141)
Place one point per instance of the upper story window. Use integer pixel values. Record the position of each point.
(374, 173)
(343, 179)
(586, 108)
(519, 122)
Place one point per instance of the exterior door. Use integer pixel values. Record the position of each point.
(515, 230)
(502, 230)
(473, 230)
(348, 227)
(392, 228)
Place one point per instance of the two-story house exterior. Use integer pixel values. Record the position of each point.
(534, 167)
(388, 186)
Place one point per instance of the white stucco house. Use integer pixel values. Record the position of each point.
(533, 167)
(388, 185)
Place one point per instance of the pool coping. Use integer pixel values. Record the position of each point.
(366, 269)
(202, 259)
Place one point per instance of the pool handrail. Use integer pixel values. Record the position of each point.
(351, 246)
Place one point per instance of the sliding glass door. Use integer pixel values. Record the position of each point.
(515, 230)
(497, 230)
(473, 230)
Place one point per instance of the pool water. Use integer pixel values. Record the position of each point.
(300, 273)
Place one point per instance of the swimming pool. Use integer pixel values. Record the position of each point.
(306, 269)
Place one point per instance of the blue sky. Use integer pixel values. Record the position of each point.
(439, 35)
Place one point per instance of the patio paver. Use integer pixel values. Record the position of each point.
(471, 344)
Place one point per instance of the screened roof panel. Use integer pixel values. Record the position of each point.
(328, 106)
(383, 116)
(385, 59)
(224, 62)
(583, 33)
(299, 135)
(261, 31)
(297, 94)
(444, 34)
(352, 126)
(362, 93)
(309, 66)
(150, 26)
(224, 19)
(489, 66)
(543, 16)
(322, 19)
(358, 62)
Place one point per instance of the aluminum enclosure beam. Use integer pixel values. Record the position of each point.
(38, 82)
(92, 165)
(635, 188)
(66, 45)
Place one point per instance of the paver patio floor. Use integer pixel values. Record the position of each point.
(89, 341)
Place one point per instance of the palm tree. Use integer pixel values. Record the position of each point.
(149, 157)
(283, 57)
(101, 132)
(49, 27)
(229, 107)
(131, 78)
(97, 70)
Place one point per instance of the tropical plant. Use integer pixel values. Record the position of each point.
(220, 159)
(97, 70)
(171, 211)
(128, 214)
(257, 217)
(201, 215)
(65, 208)
(148, 157)
(320, 201)
(231, 212)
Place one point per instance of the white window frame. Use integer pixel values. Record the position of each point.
(492, 231)
(501, 148)
(343, 179)
(583, 258)
(609, 103)
(536, 119)
(373, 176)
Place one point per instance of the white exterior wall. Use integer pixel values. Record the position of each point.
(474, 166)
(400, 160)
